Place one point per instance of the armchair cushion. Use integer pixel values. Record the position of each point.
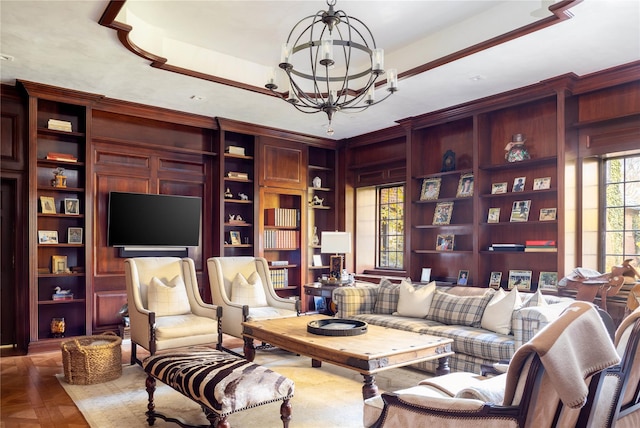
(415, 301)
(266, 312)
(185, 325)
(248, 292)
(459, 310)
(168, 299)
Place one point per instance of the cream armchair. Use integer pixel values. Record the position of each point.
(166, 310)
(247, 299)
(546, 385)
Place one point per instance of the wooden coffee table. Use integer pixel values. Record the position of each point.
(378, 349)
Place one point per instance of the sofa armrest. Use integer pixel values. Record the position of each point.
(526, 322)
(350, 301)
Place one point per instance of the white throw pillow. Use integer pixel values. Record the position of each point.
(415, 302)
(168, 299)
(536, 299)
(497, 315)
(248, 292)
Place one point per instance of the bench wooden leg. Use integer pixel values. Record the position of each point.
(151, 387)
(285, 413)
(443, 366)
(223, 423)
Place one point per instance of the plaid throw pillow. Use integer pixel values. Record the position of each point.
(459, 310)
(387, 299)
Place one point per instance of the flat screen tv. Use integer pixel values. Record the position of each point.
(143, 220)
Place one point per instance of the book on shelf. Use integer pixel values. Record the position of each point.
(535, 249)
(62, 296)
(506, 247)
(279, 278)
(284, 217)
(59, 125)
(235, 150)
(63, 157)
(279, 262)
(540, 243)
(240, 175)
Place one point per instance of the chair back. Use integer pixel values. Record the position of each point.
(223, 270)
(628, 342)
(140, 270)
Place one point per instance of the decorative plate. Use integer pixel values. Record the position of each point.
(337, 327)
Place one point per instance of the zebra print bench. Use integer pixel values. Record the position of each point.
(219, 382)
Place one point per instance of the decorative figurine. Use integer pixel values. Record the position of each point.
(448, 161)
(228, 194)
(315, 240)
(516, 151)
(59, 181)
(317, 182)
(317, 201)
(243, 197)
(58, 327)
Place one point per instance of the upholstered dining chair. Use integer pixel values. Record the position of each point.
(546, 384)
(166, 310)
(242, 287)
(616, 396)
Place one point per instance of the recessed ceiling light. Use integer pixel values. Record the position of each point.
(197, 98)
(477, 78)
(4, 57)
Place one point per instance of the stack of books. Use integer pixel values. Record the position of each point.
(59, 125)
(62, 296)
(506, 247)
(284, 217)
(279, 262)
(238, 175)
(541, 246)
(279, 278)
(62, 157)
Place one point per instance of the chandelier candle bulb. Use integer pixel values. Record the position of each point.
(371, 95)
(285, 53)
(378, 60)
(392, 80)
(326, 46)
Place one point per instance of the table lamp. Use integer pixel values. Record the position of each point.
(337, 243)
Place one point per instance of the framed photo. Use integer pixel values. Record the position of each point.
(518, 184)
(442, 213)
(58, 264)
(494, 215)
(74, 235)
(463, 277)
(317, 260)
(520, 211)
(47, 237)
(520, 279)
(235, 237)
(48, 205)
(548, 214)
(71, 206)
(498, 188)
(426, 275)
(541, 183)
(494, 279)
(465, 186)
(548, 281)
(445, 242)
(430, 189)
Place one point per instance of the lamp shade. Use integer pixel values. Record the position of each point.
(336, 242)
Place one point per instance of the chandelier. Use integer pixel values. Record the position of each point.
(332, 64)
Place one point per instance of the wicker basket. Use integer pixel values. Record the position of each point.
(92, 359)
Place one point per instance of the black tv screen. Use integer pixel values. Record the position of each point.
(137, 219)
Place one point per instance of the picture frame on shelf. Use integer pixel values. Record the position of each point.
(425, 275)
(463, 277)
(234, 235)
(548, 281)
(548, 214)
(493, 216)
(74, 235)
(71, 206)
(518, 184)
(46, 237)
(499, 188)
(541, 183)
(521, 279)
(430, 189)
(59, 264)
(445, 242)
(465, 186)
(317, 260)
(520, 211)
(48, 205)
(442, 213)
(494, 279)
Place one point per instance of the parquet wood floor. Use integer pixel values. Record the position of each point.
(31, 396)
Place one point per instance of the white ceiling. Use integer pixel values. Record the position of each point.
(61, 43)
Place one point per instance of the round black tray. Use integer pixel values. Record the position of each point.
(337, 327)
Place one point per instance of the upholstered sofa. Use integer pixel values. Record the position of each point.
(456, 312)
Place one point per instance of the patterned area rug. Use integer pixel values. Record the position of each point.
(324, 397)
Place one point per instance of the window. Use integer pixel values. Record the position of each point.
(390, 219)
(621, 202)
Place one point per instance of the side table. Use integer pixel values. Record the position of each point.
(324, 291)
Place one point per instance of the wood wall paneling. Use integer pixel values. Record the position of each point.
(107, 304)
(282, 164)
